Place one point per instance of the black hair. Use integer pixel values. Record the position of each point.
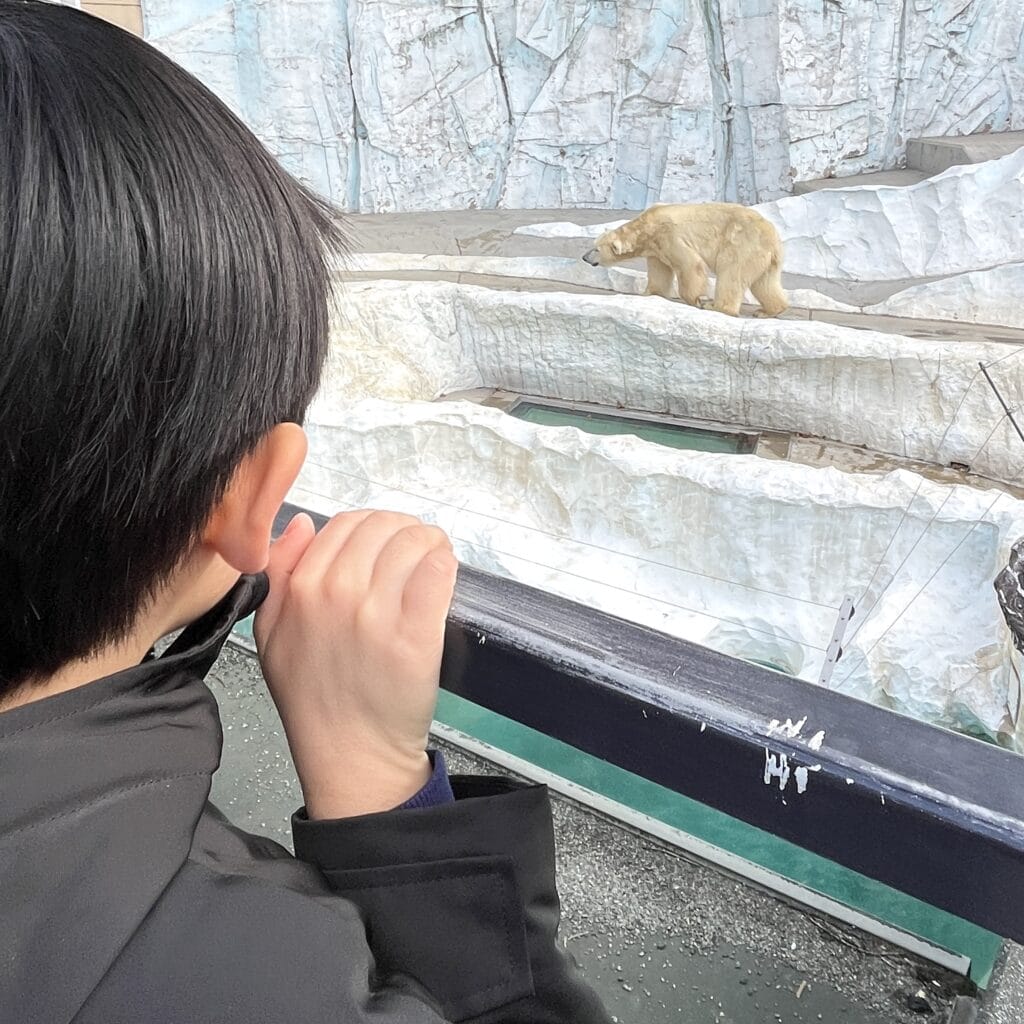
(164, 301)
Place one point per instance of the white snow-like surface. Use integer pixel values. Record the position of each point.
(747, 556)
(968, 218)
(418, 104)
(920, 399)
(566, 229)
(993, 296)
(964, 227)
(559, 270)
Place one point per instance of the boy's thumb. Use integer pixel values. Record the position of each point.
(285, 554)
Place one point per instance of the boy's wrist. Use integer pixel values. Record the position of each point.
(354, 786)
(438, 789)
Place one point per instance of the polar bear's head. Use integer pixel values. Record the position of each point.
(612, 247)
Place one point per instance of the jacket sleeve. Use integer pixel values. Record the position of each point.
(461, 897)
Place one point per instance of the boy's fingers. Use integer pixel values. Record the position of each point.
(319, 559)
(285, 554)
(353, 565)
(428, 592)
(398, 560)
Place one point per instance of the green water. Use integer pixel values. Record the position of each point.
(672, 436)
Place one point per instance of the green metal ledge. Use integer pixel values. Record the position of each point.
(808, 870)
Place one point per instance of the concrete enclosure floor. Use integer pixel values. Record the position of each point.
(491, 233)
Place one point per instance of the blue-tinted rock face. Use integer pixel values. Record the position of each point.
(430, 104)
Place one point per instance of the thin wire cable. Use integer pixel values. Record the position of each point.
(963, 397)
(899, 526)
(924, 586)
(927, 527)
(775, 635)
(874, 604)
(573, 540)
(914, 546)
(1009, 355)
(892, 540)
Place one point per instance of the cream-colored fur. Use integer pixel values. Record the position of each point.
(681, 242)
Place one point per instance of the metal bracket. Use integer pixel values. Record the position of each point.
(834, 651)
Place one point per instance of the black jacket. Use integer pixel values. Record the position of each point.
(126, 898)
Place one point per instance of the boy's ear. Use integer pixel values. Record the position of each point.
(240, 527)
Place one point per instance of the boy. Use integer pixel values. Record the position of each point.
(163, 322)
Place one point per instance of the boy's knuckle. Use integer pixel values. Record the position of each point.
(441, 560)
(394, 520)
(411, 537)
(340, 594)
(367, 618)
(438, 536)
(300, 589)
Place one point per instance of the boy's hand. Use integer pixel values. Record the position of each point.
(350, 639)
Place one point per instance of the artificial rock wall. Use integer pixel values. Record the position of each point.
(432, 104)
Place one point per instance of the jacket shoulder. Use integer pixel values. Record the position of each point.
(226, 947)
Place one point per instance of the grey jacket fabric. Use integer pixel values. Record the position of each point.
(127, 898)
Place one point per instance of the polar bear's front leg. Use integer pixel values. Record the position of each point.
(693, 283)
(691, 275)
(660, 278)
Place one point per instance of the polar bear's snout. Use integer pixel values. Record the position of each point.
(591, 257)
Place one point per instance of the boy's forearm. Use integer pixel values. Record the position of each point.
(462, 898)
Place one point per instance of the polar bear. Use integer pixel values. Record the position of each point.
(684, 240)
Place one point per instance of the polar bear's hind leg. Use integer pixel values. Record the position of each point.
(730, 289)
(768, 291)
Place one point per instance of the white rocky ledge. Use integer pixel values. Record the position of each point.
(982, 297)
(747, 556)
(555, 269)
(993, 296)
(924, 400)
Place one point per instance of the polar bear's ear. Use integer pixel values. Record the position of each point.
(617, 246)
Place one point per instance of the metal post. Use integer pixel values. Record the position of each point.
(834, 651)
(1006, 408)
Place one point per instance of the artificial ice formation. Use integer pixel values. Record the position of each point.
(979, 296)
(623, 525)
(918, 399)
(418, 105)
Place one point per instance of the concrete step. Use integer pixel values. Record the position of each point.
(872, 178)
(934, 155)
(925, 158)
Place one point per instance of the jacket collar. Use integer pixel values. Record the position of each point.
(101, 789)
